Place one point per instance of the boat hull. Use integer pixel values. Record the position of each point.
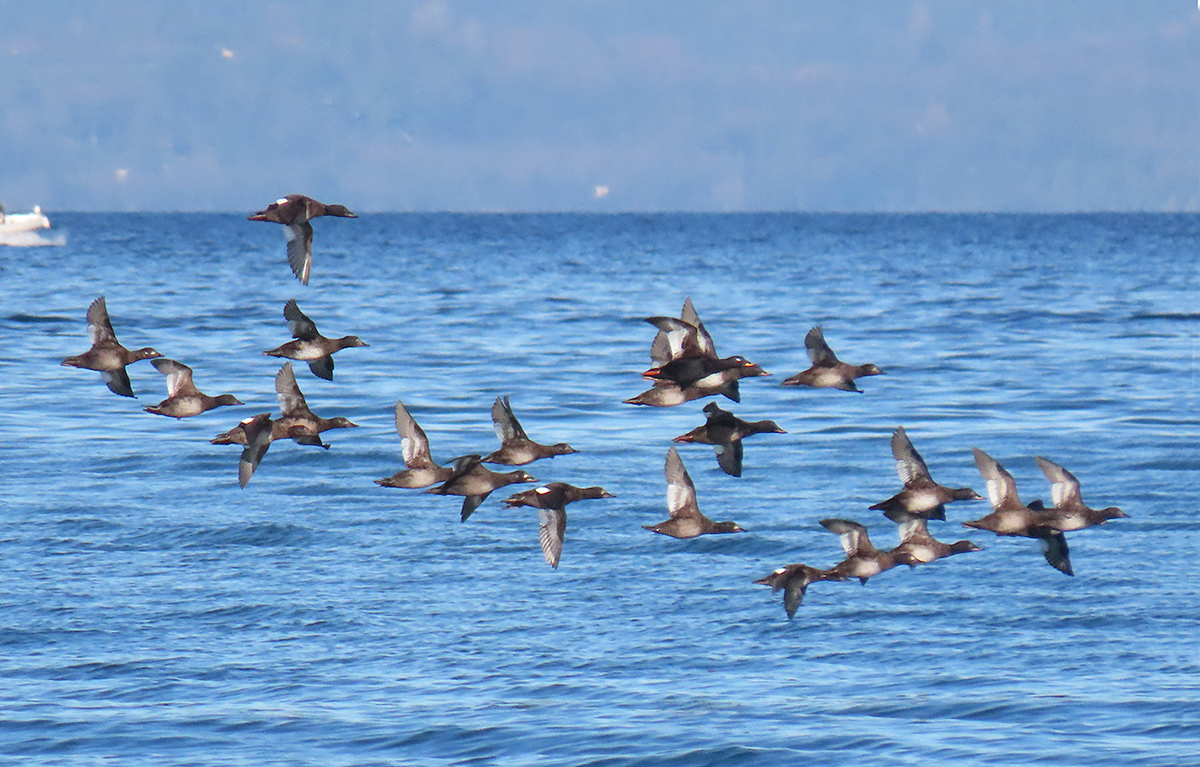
(23, 222)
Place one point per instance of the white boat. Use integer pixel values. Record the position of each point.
(22, 222)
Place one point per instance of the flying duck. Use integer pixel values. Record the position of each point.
(921, 495)
(420, 471)
(1011, 517)
(107, 355)
(516, 448)
(917, 546)
(862, 560)
(1070, 512)
(476, 482)
(294, 212)
(310, 346)
(726, 431)
(301, 423)
(551, 502)
(794, 580)
(183, 398)
(686, 366)
(686, 520)
(827, 371)
(257, 432)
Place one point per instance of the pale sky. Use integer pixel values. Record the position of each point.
(602, 105)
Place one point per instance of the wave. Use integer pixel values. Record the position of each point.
(32, 239)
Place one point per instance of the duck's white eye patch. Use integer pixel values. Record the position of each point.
(780, 571)
(542, 490)
(281, 201)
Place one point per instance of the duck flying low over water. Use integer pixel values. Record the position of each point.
(551, 502)
(681, 338)
(107, 355)
(686, 365)
(704, 373)
(1011, 517)
(1070, 512)
(692, 358)
(686, 520)
(862, 560)
(310, 346)
(917, 546)
(296, 422)
(420, 469)
(794, 580)
(279, 430)
(476, 482)
(726, 431)
(684, 353)
(257, 431)
(827, 371)
(299, 421)
(183, 398)
(921, 495)
(294, 212)
(516, 448)
(668, 394)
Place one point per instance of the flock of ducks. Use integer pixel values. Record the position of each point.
(686, 367)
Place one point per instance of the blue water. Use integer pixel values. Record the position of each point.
(151, 612)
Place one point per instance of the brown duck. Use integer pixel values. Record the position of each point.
(1011, 517)
(516, 448)
(551, 502)
(1070, 512)
(726, 431)
(921, 495)
(420, 469)
(862, 560)
(476, 482)
(257, 432)
(310, 346)
(299, 422)
(107, 355)
(827, 371)
(183, 398)
(686, 365)
(686, 520)
(294, 212)
(917, 546)
(794, 580)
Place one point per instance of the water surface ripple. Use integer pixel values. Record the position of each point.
(153, 613)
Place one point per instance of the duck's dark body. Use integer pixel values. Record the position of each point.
(686, 363)
(516, 448)
(294, 212)
(107, 355)
(476, 482)
(184, 400)
(827, 371)
(794, 580)
(310, 346)
(686, 520)
(726, 431)
(551, 502)
(921, 495)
